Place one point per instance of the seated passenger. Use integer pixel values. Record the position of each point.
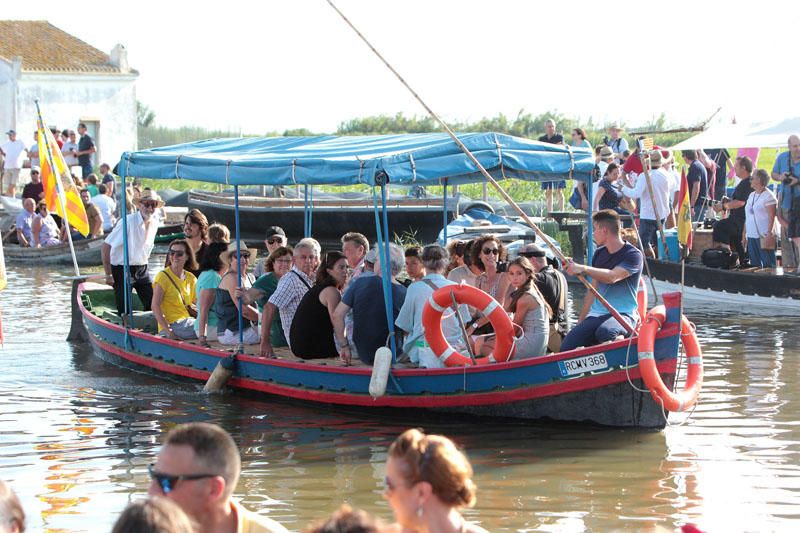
(414, 268)
(530, 312)
(487, 252)
(434, 259)
(553, 286)
(615, 271)
(274, 239)
(174, 293)
(219, 233)
(212, 268)
(44, 229)
(455, 249)
(226, 304)
(467, 272)
(355, 247)
(24, 223)
(290, 290)
(365, 297)
(275, 266)
(315, 311)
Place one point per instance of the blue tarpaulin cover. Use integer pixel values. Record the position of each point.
(423, 159)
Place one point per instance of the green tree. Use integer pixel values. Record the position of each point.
(145, 117)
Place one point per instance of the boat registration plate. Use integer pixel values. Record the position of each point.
(590, 363)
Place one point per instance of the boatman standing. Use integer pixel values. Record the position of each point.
(615, 272)
(142, 228)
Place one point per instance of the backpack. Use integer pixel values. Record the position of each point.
(719, 258)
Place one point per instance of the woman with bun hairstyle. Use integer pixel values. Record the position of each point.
(428, 480)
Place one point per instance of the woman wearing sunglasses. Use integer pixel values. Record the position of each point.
(427, 481)
(226, 303)
(486, 255)
(174, 293)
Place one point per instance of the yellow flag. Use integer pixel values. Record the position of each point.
(49, 151)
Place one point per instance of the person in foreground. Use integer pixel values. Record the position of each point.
(427, 481)
(12, 517)
(348, 520)
(153, 515)
(615, 272)
(198, 468)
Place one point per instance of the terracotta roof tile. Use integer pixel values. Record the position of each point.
(45, 48)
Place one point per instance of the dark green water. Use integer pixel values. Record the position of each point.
(77, 434)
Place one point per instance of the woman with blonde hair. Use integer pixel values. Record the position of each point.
(11, 514)
(428, 480)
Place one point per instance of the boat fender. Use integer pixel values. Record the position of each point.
(380, 372)
(672, 401)
(221, 374)
(641, 300)
(441, 299)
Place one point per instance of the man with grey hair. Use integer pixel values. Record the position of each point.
(552, 137)
(366, 298)
(290, 290)
(24, 222)
(435, 259)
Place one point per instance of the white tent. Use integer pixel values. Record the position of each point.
(761, 135)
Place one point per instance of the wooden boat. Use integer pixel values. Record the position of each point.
(594, 384)
(600, 384)
(87, 251)
(332, 216)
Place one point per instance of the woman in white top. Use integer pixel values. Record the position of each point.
(760, 221)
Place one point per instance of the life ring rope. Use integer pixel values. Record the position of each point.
(687, 397)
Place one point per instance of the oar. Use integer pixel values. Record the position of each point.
(489, 177)
(221, 374)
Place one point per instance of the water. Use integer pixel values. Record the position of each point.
(77, 434)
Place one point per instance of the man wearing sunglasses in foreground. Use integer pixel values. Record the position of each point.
(142, 228)
(198, 468)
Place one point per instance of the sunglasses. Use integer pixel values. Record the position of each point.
(176, 253)
(151, 205)
(167, 482)
(243, 255)
(493, 251)
(275, 240)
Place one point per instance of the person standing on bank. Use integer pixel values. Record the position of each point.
(550, 136)
(615, 272)
(142, 228)
(786, 171)
(85, 150)
(760, 220)
(728, 231)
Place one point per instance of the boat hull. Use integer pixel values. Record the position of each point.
(330, 219)
(87, 252)
(527, 389)
(744, 289)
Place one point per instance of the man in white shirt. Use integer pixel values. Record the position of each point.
(14, 152)
(107, 206)
(69, 149)
(142, 228)
(650, 216)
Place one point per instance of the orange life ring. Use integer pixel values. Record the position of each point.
(441, 300)
(672, 401)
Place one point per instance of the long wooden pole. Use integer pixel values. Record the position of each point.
(488, 176)
(655, 206)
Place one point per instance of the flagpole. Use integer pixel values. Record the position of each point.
(59, 189)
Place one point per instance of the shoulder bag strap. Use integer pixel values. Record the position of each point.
(301, 279)
(169, 277)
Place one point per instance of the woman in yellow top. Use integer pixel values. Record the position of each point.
(174, 296)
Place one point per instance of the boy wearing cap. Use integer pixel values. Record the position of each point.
(14, 152)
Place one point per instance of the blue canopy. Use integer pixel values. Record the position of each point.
(423, 159)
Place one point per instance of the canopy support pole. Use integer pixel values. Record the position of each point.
(490, 179)
(444, 212)
(240, 347)
(127, 316)
(386, 271)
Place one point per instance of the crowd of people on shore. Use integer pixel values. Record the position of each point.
(645, 185)
(428, 481)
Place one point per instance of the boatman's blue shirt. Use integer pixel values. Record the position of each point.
(781, 166)
(622, 294)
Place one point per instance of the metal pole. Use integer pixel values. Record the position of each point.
(444, 212)
(239, 348)
(387, 269)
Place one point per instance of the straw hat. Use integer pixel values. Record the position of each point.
(230, 251)
(655, 159)
(615, 126)
(606, 152)
(151, 196)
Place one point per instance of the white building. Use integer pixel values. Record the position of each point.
(74, 83)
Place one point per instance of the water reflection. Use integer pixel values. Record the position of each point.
(76, 435)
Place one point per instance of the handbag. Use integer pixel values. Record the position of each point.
(190, 308)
